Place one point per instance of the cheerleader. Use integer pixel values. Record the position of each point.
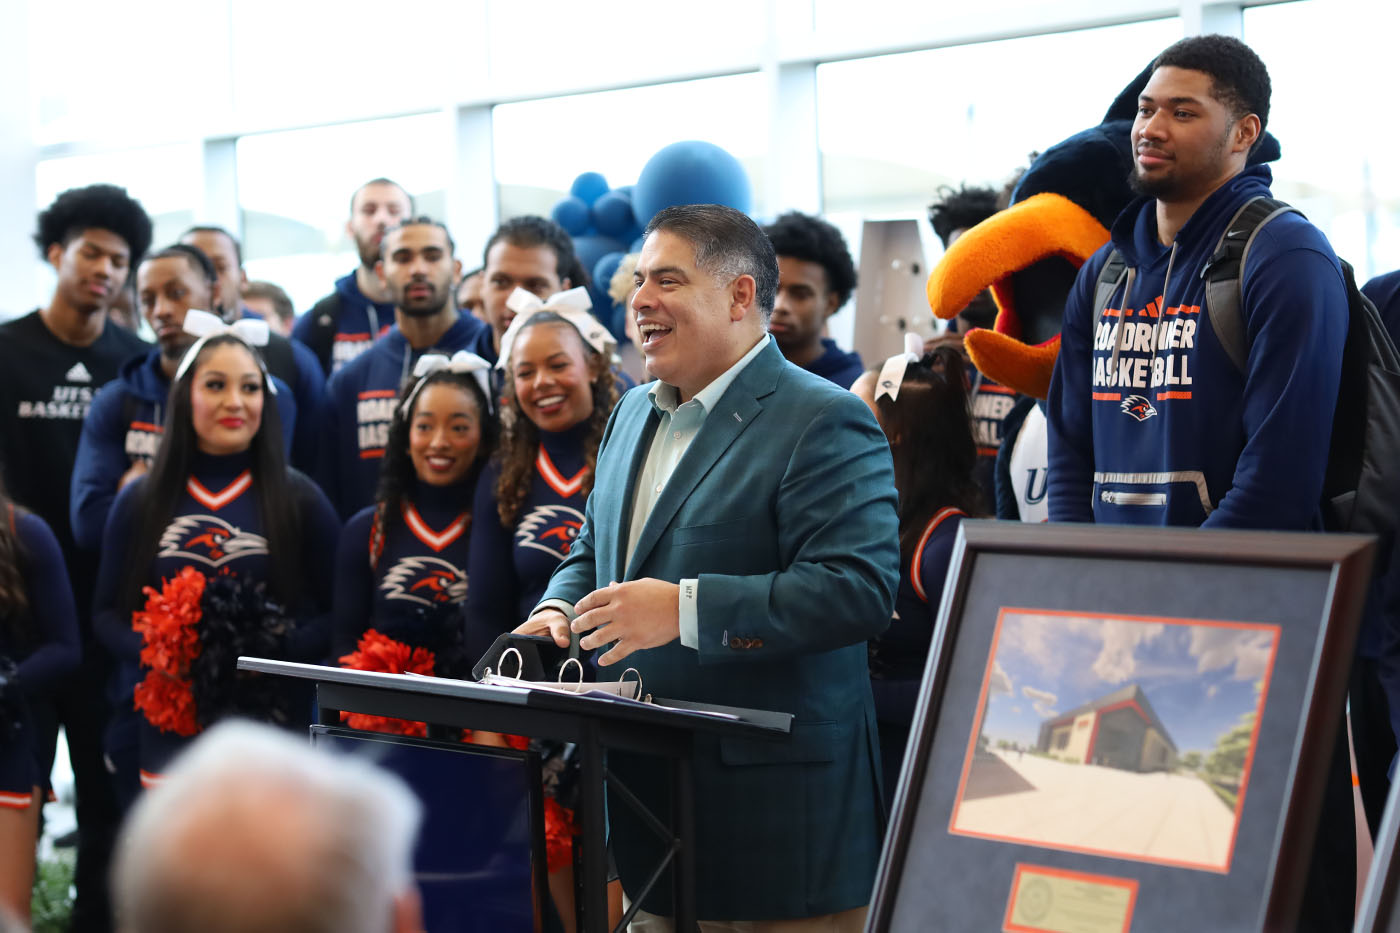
(401, 568)
(559, 392)
(218, 508)
(38, 647)
(921, 402)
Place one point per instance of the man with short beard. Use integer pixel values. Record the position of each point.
(1150, 422)
(343, 324)
(417, 272)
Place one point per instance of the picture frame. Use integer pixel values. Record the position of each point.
(1122, 728)
(1377, 911)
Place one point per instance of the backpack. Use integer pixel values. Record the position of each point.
(325, 319)
(1361, 491)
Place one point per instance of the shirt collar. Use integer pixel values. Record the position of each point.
(666, 398)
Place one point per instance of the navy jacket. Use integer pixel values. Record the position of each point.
(357, 323)
(1149, 420)
(838, 365)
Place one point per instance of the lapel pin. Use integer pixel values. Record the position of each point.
(737, 418)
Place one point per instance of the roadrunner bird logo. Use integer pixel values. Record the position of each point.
(428, 581)
(208, 540)
(550, 528)
(1137, 406)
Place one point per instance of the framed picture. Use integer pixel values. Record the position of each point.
(1122, 729)
(1379, 911)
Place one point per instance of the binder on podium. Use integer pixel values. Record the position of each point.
(594, 721)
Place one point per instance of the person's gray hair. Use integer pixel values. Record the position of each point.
(252, 829)
(727, 244)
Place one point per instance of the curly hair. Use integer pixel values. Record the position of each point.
(397, 477)
(104, 207)
(929, 428)
(959, 209)
(812, 239)
(520, 439)
(1238, 77)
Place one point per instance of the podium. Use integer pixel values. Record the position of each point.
(594, 722)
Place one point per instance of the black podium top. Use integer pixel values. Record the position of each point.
(681, 715)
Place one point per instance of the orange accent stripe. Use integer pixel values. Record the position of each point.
(997, 388)
(986, 451)
(217, 500)
(556, 480)
(1108, 396)
(434, 539)
(379, 393)
(1112, 312)
(1355, 779)
(150, 779)
(9, 801)
(147, 426)
(372, 454)
(347, 338)
(916, 566)
(1163, 396)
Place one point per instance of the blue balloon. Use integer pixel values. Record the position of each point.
(572, 214)
(690, 172)
(612, 215)
(589, 187)
(604, 269)
(590, 249)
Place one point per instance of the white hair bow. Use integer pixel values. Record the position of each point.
(892, 373)
(460, 362)
(572, 305)
(204, 325)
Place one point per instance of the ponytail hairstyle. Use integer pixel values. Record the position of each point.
(929, 428)
(520, 439)
(14, 595)
(163, 486)
(397, 478)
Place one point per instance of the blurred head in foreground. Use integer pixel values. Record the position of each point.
(254, 830)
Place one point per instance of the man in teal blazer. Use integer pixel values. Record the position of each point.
(746, 509)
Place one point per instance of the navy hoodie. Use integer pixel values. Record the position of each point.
(359, 323)
(359, 406)
(1149, 420)
(836, 364)
(124, 424)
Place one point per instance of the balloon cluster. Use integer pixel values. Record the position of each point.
(606, 223)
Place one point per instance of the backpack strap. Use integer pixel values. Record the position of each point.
(1224, 272)
(1109, 281)
(325, 319)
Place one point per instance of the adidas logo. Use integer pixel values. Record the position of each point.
(78, 373)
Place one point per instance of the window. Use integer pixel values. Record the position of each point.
(1338, 162)
(294, 189)
(542, 145)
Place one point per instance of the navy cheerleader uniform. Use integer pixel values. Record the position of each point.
(45, 650)
(510, 567)
(421, 568)
(217, 529)
(899, 654)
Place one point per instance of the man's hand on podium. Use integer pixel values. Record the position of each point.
(630, 616)
(549, 622)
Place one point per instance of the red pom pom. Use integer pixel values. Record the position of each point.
(169, 643)
(559, 833)
(378, 652)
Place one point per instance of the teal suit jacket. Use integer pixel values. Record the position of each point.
(784, 508)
